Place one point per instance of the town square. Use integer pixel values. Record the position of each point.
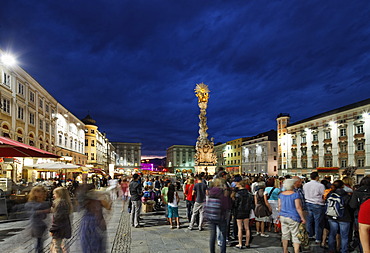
(184, 126)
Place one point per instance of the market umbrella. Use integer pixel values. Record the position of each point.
(11, 148)
(55, 166)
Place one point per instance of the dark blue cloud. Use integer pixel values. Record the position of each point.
(133, 65)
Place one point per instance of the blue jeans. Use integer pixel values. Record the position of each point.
(212, 240)
(315, 216)
(344, 233)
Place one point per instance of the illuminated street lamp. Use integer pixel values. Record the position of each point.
(8, 60)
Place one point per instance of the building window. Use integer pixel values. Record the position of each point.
(360, 146)
(343, 147)
(92, 156)
(315, 164)
(6, 79)
(65, 141)
(32, 96)
(360, 163)
(315, 137)
(342, 132)
(6, 105)
(274, 168)
(314, 150)
(41, 124)
(92, 131)
(343, 163)
(92, 143)
(360, 129)
(20, 113)
(275, 157)
(294, 152)
(60, 139)
(304, 151)
(294, 141)
(41, 103)
(32, 118)
(71, 143)
(20, 89)
(304, 164)
(47, 108)
(328, 163)
(303, 139)
(47, 127)
(87, 143)
(327, 135)
(274, 149)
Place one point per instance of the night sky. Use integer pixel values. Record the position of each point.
(133, 65)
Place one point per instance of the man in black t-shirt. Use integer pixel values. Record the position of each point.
(200, 191)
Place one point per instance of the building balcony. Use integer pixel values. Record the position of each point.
(327, 155)
(304, 157)
(343, 154)
(343, 138)
(360, 153)
(326, 141)
(304, 144)
(315, 143)
(294, 145)
(359, 136)
(315, 156)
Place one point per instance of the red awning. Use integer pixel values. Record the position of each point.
(11, 148)
(327, 168)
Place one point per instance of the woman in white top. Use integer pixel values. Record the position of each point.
(173, 201)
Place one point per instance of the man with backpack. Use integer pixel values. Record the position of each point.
(314, 192)
(339, 217)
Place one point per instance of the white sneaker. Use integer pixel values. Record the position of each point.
(264, 235)
(257, 233)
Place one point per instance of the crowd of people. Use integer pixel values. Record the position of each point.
(331, 214)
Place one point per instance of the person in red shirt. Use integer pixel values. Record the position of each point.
(364, 225)
(190, 198)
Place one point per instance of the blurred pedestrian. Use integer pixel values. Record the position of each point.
(38, 209)
(190, 198)
(61, 226)
(93, 226)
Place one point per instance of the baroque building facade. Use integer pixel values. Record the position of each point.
(220, 150)
(128, 156)
(328, 142)
(233, 155)
(180, 157)
(70, 136)
(26, 116)
(259, 153)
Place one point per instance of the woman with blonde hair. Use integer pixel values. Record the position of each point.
(38, 209)
(61, 226)
(189, 197)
